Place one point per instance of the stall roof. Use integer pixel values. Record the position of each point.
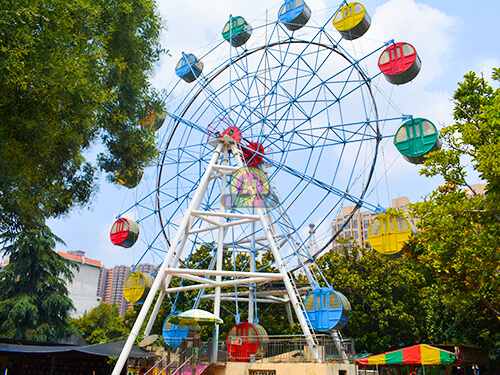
(421, 354)
(107, 350)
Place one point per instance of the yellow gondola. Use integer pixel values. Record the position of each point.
(137, 286)
(352, 21)
(386, 234)
(129, 178)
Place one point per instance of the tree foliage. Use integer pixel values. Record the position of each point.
(459, 241)
(102, 324)
(386, 296)
(272, 317)
(71, 73)
(34, 302)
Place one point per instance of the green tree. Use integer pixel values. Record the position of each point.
(34, 302)
(460, 229)
(386, 296)
(102, 324)
(71, 73)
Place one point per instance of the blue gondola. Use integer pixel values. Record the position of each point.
(189, 67)
(294, 14)
(173, 334)
(327, 309)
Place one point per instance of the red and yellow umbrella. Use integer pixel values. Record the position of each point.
(418, 354)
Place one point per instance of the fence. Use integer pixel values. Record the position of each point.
(187, 360)
(193, 359)
(294, 348)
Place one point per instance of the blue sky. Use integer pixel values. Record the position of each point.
(451, 37)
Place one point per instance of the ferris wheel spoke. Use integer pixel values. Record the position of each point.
(324, 186)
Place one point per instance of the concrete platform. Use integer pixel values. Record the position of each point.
(245, 368)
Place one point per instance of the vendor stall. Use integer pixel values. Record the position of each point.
(419, 359)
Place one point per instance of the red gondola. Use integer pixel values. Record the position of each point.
(399, 63)
(153, 120)
(124, 232)
(245, 340)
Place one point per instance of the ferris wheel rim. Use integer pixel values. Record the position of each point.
(247, 52)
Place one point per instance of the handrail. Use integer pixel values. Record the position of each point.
(295, 348)
(162, 358)
(175, 359)
(178, 368)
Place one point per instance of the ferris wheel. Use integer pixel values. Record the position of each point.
(275, 127)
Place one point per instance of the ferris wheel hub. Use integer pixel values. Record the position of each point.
(233, 132)
(252, 151)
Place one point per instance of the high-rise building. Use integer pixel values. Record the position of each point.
(478, 189)
(357, 227)
(145, 268)
(112, 281)
(103, 279)
(114, 287)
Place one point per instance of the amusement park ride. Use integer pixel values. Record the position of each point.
(281, 130)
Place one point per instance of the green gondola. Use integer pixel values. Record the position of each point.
(416, 138)
(237, 31)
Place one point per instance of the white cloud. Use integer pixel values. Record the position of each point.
(485, 66)
(429, 30)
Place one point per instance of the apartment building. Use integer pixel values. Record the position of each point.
(83, 289)
(113, 293)
(112, 281)
(357, 227)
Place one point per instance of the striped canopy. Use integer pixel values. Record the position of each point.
(194, 317)
(418, 354)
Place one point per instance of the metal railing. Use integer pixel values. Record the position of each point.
(160, 365)
(278, 349)
(192, 360)
(294, 348)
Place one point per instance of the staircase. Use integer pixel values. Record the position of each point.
(191, 361)
(188, 369)
(339, 343)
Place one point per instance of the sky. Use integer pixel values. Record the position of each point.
(452, 37)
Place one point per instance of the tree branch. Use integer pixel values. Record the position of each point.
(490, 307)
(485, 212)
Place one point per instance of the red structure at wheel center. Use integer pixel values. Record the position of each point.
(253, 152)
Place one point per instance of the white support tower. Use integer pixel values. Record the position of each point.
(218, 220)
